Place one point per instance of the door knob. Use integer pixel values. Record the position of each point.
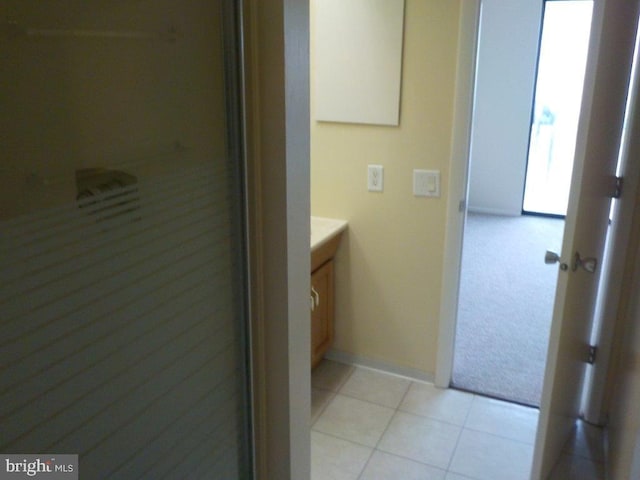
(552, 257)
(589, 264)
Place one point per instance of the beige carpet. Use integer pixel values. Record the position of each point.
(505, 307)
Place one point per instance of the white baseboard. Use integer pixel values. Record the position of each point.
(494, 211)
(357, 360)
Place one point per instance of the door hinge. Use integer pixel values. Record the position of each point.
(592, 354)
(616, 187)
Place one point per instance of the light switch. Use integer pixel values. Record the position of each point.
(426, 183)
(375, 178)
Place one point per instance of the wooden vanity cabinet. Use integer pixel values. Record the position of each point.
(321, 311)
(322, 295)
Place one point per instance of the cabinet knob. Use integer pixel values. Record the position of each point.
(316, 295)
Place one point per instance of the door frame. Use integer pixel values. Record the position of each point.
(597, 395)
(607, 82)
(276, 112)
(468, 37)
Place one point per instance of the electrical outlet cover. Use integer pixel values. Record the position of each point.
(375, 178)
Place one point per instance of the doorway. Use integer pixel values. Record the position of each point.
(505, 305)
(506, 292)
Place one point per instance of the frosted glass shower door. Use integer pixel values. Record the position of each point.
(122, 252)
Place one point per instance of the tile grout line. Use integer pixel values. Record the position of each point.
(333, 394)
(324, 407)
(413, 460)
(375, 448)
(462, 429)
(502, 437)
(374, 403)
(477, 396)
(332, 435)
(351, 369)
(397, 409)
(406, 392)
(466, 417)
(347, 378)
(353, 397)
(364, 467)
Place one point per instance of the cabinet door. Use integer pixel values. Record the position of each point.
(322, 313)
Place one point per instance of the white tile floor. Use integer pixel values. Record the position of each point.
(369, 425)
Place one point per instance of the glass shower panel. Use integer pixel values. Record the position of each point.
(122, 258)
(562, 60)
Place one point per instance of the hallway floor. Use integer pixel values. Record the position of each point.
(369, 425)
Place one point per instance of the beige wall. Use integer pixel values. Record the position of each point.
(389, 266)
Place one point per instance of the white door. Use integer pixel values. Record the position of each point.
(605, 89)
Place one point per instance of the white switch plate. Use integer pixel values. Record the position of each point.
(375, 178)
(426, 183)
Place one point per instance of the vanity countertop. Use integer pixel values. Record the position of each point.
(324, 229)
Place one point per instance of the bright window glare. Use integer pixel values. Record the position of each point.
(563, 56)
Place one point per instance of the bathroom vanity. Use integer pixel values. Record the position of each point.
(326, 234)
